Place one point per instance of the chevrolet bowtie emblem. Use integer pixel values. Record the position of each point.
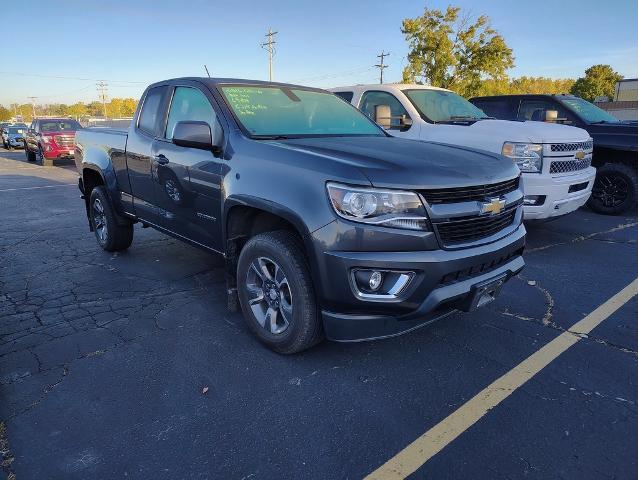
(579, 155)
(493, 206)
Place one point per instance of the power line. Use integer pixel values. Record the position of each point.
(60, 77)
(102, 87)
(269, 47)
(381, 66)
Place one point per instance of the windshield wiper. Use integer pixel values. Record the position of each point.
(270, 137)
(463, 117)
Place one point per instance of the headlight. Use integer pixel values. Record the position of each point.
(528, 156)
(387, 208)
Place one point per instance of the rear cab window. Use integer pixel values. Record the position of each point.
(501, 108)
(149, 115)
(347, 96)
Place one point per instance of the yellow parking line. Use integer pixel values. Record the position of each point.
(412, 457)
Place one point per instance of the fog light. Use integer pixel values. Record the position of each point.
(534, 199)
(375, 280)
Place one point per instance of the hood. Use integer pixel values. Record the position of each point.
(61, 132)
(398, 163)
(533, 132)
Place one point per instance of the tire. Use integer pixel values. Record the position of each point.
(615, 189)
(297, 323)
(110, 235)
(30, 155)
(40, 155)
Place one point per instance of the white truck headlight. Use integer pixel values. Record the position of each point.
(528, 156)
(386, 208)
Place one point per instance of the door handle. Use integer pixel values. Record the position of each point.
(161, 159)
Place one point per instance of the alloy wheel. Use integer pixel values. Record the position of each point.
(99, 221)
(269, 295)
(611, 190)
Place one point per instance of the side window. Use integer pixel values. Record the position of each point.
(150, 110)
(347, 96)
(189, 104)
(373, 98)
(536, 110)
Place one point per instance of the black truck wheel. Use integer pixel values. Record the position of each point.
(111, 236)
(276, 293)
(615, 189)
(30, 155)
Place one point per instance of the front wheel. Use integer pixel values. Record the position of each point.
(30, 155)
(276, 293)
(110, 235)
(615, 189)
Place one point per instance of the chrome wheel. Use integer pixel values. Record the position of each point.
(99, 221)
(269, 295)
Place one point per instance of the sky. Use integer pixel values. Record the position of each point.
(70, 44)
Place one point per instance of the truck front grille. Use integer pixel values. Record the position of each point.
(464, 230)
(566, 166)
(65, 140)
(570, 147)
(467, 194)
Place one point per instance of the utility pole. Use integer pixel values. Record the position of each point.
(381, 66)
(269, 47)
(33, 99)
(102, 87)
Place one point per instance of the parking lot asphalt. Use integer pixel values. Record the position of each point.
(129, 366)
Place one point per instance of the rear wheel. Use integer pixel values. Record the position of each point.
(276, 293)
(110, 235)
(615, 189)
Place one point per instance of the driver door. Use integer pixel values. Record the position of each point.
(188, 180)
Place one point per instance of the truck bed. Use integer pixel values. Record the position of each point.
(98, 139)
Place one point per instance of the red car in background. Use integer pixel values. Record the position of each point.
(48, 139)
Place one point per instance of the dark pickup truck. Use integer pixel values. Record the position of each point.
(328, 226)
(615, 155)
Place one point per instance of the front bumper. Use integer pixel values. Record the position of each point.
(556, 189)
(443, 283)
(53, 151)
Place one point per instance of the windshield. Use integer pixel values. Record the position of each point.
(588, 111)
(269, 111)
(15, 130)
(441, 106)
(59, 125)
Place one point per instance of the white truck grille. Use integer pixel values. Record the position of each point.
(570, 147)
(566, 166)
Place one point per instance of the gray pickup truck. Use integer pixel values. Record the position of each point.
(328, 226)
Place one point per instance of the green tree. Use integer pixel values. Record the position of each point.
(599, 80)
(523, 85)
(448, 50)
(76, 110)
(5, 113)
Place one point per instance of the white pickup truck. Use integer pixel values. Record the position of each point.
(555, 159)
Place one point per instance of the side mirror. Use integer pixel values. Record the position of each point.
(383, 116)
(551, 115)
(406, 122)
(194, 134)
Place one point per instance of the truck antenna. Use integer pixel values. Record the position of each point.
(206, 68)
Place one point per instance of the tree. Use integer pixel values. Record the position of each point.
(5, 113)
(448, 50)
(523, 85)
(599, 80)
(76, 110)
